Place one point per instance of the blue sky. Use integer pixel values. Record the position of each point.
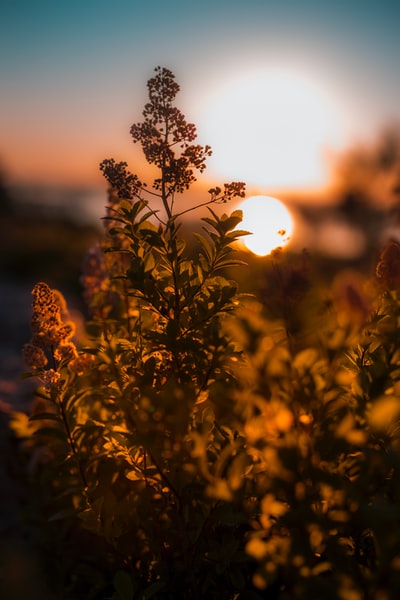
(73, 72)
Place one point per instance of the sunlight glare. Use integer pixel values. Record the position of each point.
(269, 222)
(272, 129)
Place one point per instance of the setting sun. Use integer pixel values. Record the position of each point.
(269, 222)
(272, 128)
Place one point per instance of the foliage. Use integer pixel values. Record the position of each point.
(200, 444)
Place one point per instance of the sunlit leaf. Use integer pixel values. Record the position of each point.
(21, 425)
(384, 412)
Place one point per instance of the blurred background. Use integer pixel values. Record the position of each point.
(298, 99)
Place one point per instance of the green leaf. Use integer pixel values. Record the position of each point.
(238, 233)
(206, 246)
(46, 416)
(125, 206)
(53, 432)
(61, 515)
(152, 589)
(134, 475)
(123, 585)
(20, 424)
(226, 263)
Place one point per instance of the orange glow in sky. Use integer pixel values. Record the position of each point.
(270, 88)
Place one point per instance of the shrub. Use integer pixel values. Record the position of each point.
(214, 450)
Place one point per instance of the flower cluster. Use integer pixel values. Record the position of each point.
(51, 336)
(120, 178)
(388, 267)
(98, 269)
(95, 276)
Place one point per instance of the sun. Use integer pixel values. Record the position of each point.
(269, 222)
(272, 128)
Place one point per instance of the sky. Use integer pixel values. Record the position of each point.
(276, 87)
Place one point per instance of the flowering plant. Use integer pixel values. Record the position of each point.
(211, 448)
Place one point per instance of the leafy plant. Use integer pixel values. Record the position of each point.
(199, 444)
